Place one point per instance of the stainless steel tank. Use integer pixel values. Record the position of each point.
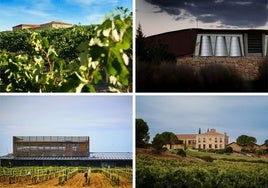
(221, 48)
(235, 47)
(267, 47)
(206, 48)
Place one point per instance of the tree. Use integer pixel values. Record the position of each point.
(158, 142)
(266, 142)
(169, 138)
(162, 139)
(246, 140)
(142, 133)
(141, 50)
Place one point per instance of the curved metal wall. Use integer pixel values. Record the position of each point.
(235, 47)
(219, 45)
(221, 48)
(206, 48)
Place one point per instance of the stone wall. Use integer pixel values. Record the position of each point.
(247, 67)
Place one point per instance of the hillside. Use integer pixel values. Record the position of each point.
(192, 155)
(199, 169)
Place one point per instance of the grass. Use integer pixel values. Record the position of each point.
(226, 157)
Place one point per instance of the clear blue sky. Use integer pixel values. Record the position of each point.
(15, 12)
(107, 120)
(235, 115)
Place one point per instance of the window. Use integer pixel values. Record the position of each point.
(220, 146)
(220, 139)
(210, 146)
(254, 43)
(216, 146)
(204, 139)
(216, 140)
(74, 147)
(199, 140)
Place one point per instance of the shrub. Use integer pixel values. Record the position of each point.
(181, 152)
(261, 83)
(165, 77)
(220, 151)
(220, 78)
(229, 150)
(207, 158)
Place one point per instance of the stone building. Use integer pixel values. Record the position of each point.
(26, 26)
(208, 140)
(236, 147)
(49, 25)
(211, 140)
(55, 24)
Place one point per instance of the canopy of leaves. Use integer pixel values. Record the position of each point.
(266, 142)
(245, 140)
(158, 142)
(163, 139)
(142, 133)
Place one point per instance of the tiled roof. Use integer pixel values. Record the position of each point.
(56, 22)
(186, 136)
(212, 133)
(28, 25)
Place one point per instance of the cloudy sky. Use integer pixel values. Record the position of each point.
(107, 120)
(235, 115)
(15, 12)
(158, 16)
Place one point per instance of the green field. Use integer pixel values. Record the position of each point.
(236, 157)
(94, 58)
(189, 172)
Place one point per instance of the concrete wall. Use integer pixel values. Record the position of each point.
(247, 67)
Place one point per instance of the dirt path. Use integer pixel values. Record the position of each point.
(125, 183)
(97, 181)
(77, 181)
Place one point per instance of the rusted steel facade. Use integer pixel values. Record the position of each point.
(50, 146)
(179, 43)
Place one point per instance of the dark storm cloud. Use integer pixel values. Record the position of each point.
(241, 13)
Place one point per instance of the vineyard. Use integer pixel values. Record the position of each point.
(95, 58)
(65, 177)
(167, 173)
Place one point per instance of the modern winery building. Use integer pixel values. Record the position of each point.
(214, 42)
(61, 150)
(245, 51)
(50, 146)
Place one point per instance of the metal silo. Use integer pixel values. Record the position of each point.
(267, 47)
(221, 48)
(235, 48)
(206, 48)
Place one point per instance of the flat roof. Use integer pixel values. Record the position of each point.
(202, 30)
(92, 156)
